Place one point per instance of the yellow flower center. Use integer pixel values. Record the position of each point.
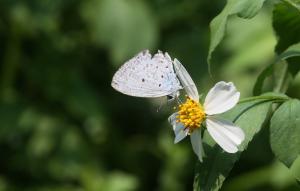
(191, 114)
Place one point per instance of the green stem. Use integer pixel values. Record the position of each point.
(271, 98)
(281, 77)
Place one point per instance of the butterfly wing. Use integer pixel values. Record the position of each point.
(147, 76)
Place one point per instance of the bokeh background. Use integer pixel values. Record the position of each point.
(62, 126)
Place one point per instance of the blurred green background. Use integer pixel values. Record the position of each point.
(62, 126)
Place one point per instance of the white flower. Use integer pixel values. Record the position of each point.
(187, 121)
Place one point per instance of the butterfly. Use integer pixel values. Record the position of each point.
(150, 76)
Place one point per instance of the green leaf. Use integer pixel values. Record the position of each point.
(285, 132)
(257, 90)
(292, 51)
(286, 23)
(269, 96)
(244, 39)
(281, 77)
(217, 164)
(243, 8)
(294, 3)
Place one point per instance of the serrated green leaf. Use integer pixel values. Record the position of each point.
(217, 164)
(243, 8)
(285, 132)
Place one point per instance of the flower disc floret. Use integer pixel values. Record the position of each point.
(191, 114)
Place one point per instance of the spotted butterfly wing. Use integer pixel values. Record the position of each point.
(147, 76)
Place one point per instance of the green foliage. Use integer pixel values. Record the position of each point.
(286, 22)
(285, 120)
(244, 39)
(295, 169)
(63, 128)
(262, 176)
(124, 27)
(292, 51)
(243, 8)
(216, 166)
(285, 132)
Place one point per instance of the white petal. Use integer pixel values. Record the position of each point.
(225, 133)
(172, 119)
(196, 141)
(178, 128)
(222, 97)
(186, 80)
(181, 135)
